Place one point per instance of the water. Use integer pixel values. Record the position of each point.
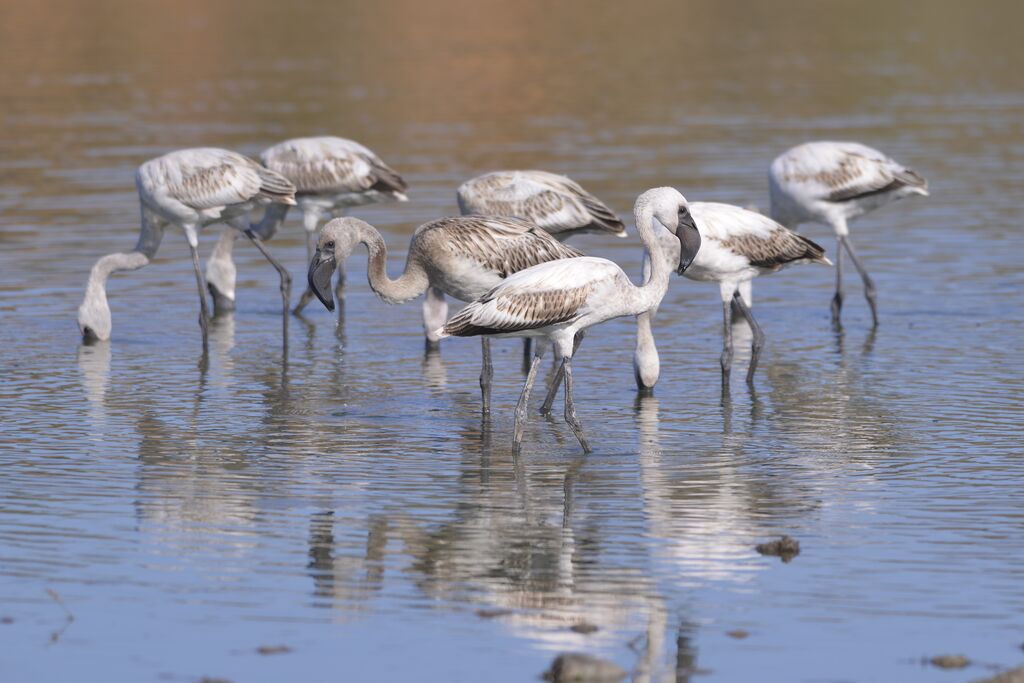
(340, 496)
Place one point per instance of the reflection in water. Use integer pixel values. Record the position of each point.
(345, 575)
(94, 369)
(703, 511)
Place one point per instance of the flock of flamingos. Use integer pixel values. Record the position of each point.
(505, 254)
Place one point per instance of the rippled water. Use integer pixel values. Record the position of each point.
(340, 496)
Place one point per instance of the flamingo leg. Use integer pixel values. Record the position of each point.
(758, 342)
(524, 399)
(837, 300)
(869, 285)
(726, 359)
(286, 279)
(204, 313)
(549, 400)
(527, 343)
(570, 406)
(486, 373)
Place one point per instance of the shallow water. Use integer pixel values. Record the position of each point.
(339, 494)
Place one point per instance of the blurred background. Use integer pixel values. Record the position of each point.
(340, 496)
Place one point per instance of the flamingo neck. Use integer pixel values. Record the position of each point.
(649, 294)
(646, 365)
(96, 288)
(410, 284)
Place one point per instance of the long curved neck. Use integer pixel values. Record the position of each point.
(409, 285)
(651, 292)
(646, 365)
(150, 235)
(96, 288)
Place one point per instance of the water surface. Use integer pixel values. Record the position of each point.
(340, 494)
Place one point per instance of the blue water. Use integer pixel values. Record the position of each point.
(339, 495)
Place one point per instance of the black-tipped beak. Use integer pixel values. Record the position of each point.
(89, 337)
(689, 241)
(321, 268)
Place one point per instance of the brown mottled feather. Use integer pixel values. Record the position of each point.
(275, 186)
(385, 178)
(782, 247)
(522, 311)
(503, 244)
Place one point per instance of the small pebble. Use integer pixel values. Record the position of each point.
(492, 613)
(785, 548)
(739, 634)
(950, 661)
(579, 668)
(273, 649)
(584, 627)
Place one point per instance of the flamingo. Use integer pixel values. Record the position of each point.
(556, 203)
(560, 299)
(463, 256)
(330, 174)
(189, 188)
(833, 183)
(737, 245)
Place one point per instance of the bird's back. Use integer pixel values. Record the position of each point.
(734, 239)
(332, 165)
(501, 244)
(206, 178)
(556, 203)
(809, 178)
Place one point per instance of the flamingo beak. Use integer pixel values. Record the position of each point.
(689, 240)
(321, 268)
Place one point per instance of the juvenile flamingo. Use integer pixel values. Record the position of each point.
(189, 188)
(833, 183)
(737, 245)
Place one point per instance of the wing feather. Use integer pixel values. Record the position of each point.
(845, 171)
(504, 245)
(330, 165)
(548, 294)
(759, 239)
(555, 203)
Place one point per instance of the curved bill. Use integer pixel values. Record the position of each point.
(321, 268)
(689, 241)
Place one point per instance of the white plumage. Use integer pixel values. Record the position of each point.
(736, 246)
(833, 183)
(190, 188)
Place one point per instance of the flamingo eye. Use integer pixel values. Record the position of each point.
(329, 245)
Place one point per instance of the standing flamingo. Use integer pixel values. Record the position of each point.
(330, 174)
(189, 188)
(560, 299)
(737, 245)
(835, 182)
(463, 256)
